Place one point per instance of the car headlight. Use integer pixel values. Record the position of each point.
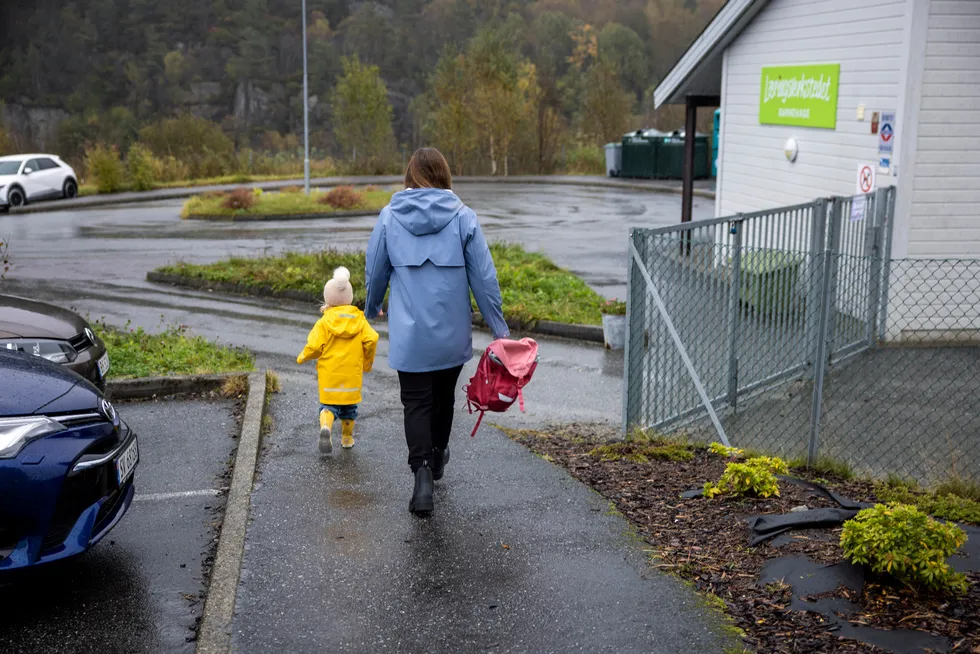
(57, 351)
(15, 433)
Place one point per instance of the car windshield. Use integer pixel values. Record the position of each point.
(9, 167)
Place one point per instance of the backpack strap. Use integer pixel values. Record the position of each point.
(520, 392)
(478, 421)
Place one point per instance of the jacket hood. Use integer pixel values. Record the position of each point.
(344, 322)
(425, 210)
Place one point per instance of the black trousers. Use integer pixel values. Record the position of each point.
(428, 398)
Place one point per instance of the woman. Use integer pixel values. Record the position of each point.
(429, 246)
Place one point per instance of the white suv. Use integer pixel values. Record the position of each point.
(30, 177)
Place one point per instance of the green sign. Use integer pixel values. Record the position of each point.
(805, 96)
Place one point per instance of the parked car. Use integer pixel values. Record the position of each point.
(66, 463)
(55, 334)
(31, 177)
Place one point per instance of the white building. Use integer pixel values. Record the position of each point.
(916, 59)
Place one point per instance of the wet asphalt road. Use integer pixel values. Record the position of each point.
(140, 589)
(518, 556)
(583, 229)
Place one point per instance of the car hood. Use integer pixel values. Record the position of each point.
(20, 317)
(33, 385)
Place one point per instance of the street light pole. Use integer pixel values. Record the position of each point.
(306, 113)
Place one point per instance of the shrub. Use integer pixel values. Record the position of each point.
(726, 452)
(171, 169)
(902, 541)
(240, 199)
(142, 167)
(105, 168)
(939, 503)
(755, 477)
(197, 142)
(343, 197)
(585, 160)
(291, 189)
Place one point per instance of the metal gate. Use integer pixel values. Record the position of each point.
(723, 310)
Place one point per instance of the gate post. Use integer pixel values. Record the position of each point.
(872, 250)
(627, 363)
(734, 313)
(815, 276)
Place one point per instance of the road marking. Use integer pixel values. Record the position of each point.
(156, 497)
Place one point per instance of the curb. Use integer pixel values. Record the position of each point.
(282, 216)
(132, 197)
(147, 387)
(214, 635)
(587, 333)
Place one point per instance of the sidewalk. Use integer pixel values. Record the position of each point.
(518, 556)
(702, 188)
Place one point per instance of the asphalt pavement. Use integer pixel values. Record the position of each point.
(518, 556)
(141, 588)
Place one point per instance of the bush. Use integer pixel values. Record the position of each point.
(585, 160)
(291, 189)
(939, 502)
(197, 142)
(726, 452)
(755, 477)
(105, 168)
(142, 167)
(343, 197)
(902, 541)
(240, 199)
(171, 169)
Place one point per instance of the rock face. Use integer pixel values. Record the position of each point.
(31, 127)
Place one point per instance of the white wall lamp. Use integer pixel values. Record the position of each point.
(791, 149)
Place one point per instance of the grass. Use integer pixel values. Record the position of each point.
(643, 447)
(955, 500)
(319, 169)
(825, 466)
(137, 353)
(273, 204)
(532, 286)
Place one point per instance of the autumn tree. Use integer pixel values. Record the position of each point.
(449, 119)
(606, 105)
(362, 115)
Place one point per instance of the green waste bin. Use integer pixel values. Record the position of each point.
(670, 156)
(639, 153)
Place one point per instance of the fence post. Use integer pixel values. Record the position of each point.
(886, 255)
(872, 250)
(627, 363)
(815, 275)
(823, 331)
(734, 313)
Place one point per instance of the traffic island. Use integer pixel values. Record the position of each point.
(538, 296)
(794, 592)
(289, 203)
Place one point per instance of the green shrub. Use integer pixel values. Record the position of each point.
(142, 167)
(755, 477)
(939, 503)
(198, 143)
(726, 452)
(105, 168)
(902, 541)
(171, 169)
(585, 160)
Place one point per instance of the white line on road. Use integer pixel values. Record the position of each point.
(155, 497)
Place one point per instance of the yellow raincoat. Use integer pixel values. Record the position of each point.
(343, 343)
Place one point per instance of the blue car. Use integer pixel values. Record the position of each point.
(66, 462)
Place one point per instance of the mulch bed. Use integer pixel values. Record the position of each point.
(706, 542)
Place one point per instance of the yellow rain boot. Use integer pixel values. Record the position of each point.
(347, 434)
(326, 427)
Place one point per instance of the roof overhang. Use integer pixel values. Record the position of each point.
(698, 73)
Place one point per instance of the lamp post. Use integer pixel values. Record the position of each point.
(306, 113)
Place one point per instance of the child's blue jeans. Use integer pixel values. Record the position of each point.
(341, 411)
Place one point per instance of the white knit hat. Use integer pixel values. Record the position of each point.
(338, 292)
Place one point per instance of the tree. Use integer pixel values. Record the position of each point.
(362, 115)
(622, 47)
(606, 105)
(449, 119)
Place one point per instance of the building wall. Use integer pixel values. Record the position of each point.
(868, 39)
(944, 207)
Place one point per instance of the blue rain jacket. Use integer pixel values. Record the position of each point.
(429, 246)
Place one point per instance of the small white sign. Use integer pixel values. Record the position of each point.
(886, 134)
(865, 178)
(859, 207)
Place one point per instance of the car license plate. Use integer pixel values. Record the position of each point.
(126, 463)
(103, 365)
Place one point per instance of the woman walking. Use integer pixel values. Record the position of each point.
(429, 247)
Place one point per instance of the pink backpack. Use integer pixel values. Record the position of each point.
(504, 370)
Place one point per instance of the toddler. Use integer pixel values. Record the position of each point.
(343, 343)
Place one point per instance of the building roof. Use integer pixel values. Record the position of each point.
(698, 72)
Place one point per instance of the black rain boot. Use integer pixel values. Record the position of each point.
(439, 460)
(421, 504)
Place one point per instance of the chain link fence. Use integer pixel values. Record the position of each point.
(793, 332)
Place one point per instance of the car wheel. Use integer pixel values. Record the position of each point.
(16, 197)
(70, 189)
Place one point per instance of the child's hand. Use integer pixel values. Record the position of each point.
(381, 313)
